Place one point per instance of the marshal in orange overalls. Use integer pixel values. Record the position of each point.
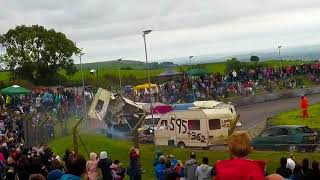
(304, 104)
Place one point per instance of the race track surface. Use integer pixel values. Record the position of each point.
(251, 115)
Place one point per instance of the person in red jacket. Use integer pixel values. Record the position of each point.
(304, 104)
(239, 167)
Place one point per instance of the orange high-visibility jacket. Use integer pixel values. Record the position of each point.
(304, 104)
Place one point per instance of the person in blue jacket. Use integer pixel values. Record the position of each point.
(161, 168)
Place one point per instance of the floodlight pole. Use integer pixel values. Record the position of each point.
(83, 95)
(120, 86)
(148, 74)
(193, 93)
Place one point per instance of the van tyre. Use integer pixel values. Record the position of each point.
(293, 148)
(181, 145)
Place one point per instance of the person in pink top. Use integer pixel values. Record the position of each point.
(92, 167)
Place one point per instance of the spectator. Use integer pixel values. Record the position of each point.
(190, 167)
(173, 160)
(283, 170)
(66, 156)
(36, 177)
(134, 169)
(55, 174)
(76, 167)
(104, 164)
(204, 172)
(290, 164)
(170, 174)
(314, 173)
(118, 172)
(92, 167)
(156, 160)
(305, 166)
(297, 173)
(161, 168)
(239, 167)
(274, 177)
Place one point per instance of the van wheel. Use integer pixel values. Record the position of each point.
(293, 148)
(181, 145)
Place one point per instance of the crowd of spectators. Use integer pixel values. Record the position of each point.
(40, 163)
(235, 83)
(238, 167)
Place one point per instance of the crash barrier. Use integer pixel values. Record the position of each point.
(291, 93)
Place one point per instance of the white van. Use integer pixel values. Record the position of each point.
(196, 127)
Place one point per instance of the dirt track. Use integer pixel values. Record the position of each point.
(251, 115)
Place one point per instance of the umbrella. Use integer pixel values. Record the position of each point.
(197, 72)
(169, 72)
(15, 90)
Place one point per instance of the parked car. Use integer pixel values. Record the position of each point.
(287, 137)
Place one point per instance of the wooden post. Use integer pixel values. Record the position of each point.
(75, 138)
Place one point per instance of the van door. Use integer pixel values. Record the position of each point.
(197, 134)
(217, 131)
(162, 135)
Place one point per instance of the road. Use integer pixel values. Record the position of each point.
(251, 115)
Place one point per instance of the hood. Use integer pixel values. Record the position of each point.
(70, 177)
(205, 168)
(103, 155)
(191, 161)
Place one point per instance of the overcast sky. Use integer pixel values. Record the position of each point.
(111, 29)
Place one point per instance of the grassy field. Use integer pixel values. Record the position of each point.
(118, 149)
(294, 118)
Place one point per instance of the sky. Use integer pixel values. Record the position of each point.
(111, 29)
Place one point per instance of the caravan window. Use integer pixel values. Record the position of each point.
(214, 124)
(194, 124)
(99, 105)
(163, 125)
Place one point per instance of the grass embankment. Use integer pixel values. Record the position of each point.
(293, 117)
(118, 149)
(140, 73)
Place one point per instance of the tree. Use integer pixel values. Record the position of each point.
(233, 64)
(254, 59)
(37, 54)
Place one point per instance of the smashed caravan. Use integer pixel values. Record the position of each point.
(204, 125)
(114, 113)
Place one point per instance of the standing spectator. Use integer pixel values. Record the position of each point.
(66, 156)
(239, 167)
(283, 170)
(156, 160)
(118, 172)
(160, 168)
(314, 173)
(92, 166)
(76, 167)
(104, 164)
(305, 167)
(134, 169)
(297, 173)
(190, 167)
(204, 172)
(170, 174)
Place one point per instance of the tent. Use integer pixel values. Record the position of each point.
(144, 86)
(169, 72)
(15, 90)
(197, 72)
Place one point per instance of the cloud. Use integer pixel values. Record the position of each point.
(109, 29)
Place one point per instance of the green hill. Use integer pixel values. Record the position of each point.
(113, 64)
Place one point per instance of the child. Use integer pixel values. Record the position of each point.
(118, 172)
(239, 167)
